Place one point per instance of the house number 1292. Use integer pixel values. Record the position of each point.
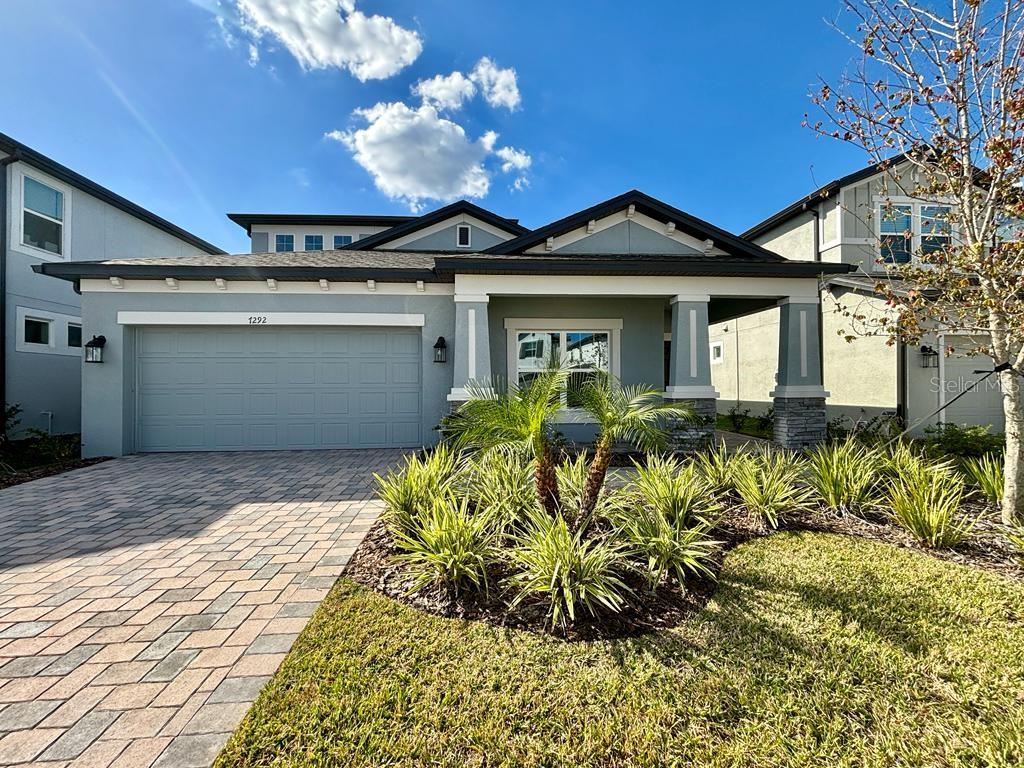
(257, 319)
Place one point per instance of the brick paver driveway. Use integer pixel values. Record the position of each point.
(145, 601)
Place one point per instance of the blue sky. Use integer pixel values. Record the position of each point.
(194, 108)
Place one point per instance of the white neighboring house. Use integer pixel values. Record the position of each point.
(865, 221)
(49, 213)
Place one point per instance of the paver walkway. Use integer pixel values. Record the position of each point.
(145, 601)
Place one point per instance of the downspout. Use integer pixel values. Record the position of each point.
(9, 160)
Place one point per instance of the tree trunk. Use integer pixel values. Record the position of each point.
(595, 478)
(1013, 461)
(547, 481)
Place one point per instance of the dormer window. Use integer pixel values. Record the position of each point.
(462, 236)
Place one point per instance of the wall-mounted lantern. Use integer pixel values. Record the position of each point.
(440, 350)
(94, 349)
(929, 357)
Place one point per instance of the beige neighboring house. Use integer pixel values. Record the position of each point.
(869, 376)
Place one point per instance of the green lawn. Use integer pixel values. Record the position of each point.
(816, 650)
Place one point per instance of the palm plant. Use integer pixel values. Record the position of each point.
(636, 414)
(516, 417)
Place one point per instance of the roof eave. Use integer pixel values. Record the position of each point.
(85, 271)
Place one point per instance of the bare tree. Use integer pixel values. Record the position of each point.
(938, 91)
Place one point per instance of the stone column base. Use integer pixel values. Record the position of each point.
(698, 435)
(799, 422)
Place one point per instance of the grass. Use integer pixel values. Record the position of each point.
(816, 650)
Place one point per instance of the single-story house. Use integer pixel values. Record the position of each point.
(367, 335)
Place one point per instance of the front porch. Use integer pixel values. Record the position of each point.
(643, 330)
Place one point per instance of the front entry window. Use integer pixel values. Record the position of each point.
(585, 353)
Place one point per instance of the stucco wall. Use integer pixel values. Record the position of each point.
(750, 358)
(627, 237)
(108, 388)
(793, 239)
(444, 240)
(42, 382)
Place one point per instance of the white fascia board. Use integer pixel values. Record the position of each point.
(271, 318)
(611, 286)
(562, 324)
(442, 225)
(104, 285)
(599, 225)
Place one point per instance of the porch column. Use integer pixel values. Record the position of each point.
(471, 354)
(799, 397)
(689, 377)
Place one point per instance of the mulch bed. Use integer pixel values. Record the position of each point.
(374, 565)
(7, 479)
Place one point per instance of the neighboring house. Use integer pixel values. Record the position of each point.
(862, 220)
(51, 215)
(370, 343)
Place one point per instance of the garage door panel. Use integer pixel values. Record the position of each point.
(277, 389)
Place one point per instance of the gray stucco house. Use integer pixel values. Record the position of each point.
(51, 215)
(866, 220)
(349, 331)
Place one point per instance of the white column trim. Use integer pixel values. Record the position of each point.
(803, 343)
(471, 344)
(799, 390)
(694, 297)
(477, 298)
(798, 300)
(693, 343)
(691, 393)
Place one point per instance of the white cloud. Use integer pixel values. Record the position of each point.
(498, 86)
(323, 34)
(445, 91)
(415, 155)
(518, 161)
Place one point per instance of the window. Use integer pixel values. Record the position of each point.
(42, 216)
(717, 352)
(74, 336)
(284, 243)
(37, 331)
(912, 228)
(462, 236)
(314, 243)
(340, 241)
(584, 352)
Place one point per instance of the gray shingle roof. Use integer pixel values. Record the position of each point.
(319, 259)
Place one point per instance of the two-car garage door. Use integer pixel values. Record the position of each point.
(263, 388)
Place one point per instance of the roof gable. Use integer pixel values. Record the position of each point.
(31, 157)
(654, 224)
(420, 227)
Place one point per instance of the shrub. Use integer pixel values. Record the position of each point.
(768, 483)
(501, 481)
(566, 570)
(986, 472)
(54, 449)
(925, 500)
(844, 475)
(410, 491)
(666, 545)
(446, 543)
(572, 482)
(954, 440)
(737, 417)
(718, 466)
(676, 491)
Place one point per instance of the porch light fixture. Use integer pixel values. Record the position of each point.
(929, 357)
(94, 349)
(440, 350)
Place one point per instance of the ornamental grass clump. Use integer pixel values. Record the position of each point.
(676, 490)
(986, 474)
(566, 570)
(718, 466)
(844, 475)
(769, 485)
(410, 490)
(448, 544)
(501, 481)
(925, 499)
